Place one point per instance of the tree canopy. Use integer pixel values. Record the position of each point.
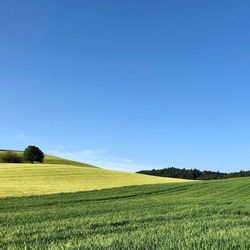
(193, 174)
(33, 153)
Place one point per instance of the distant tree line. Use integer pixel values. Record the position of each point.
(31, 154)
(193, 174)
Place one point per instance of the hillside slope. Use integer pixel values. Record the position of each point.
(197, 215)
(49, 159)
(36, 179)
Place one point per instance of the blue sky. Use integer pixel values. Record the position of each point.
(128, 84)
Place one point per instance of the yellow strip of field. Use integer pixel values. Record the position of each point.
(37, 179)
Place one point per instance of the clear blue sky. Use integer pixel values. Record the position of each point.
(128, 84)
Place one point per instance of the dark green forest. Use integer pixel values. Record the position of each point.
(193, 174)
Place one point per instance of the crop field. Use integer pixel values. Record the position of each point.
(36, 179)
(43, 206)
(195, 215)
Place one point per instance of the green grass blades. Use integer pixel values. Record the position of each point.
(196, 215)
(34, 179)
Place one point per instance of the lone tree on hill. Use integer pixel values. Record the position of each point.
(33, 153)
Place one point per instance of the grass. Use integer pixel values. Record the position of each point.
(49, 159)
(36, 179)
(41, 208)
(195, 215)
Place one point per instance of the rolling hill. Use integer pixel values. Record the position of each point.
(195, 215)
(43, 207)
(49, 159)
(59, 175)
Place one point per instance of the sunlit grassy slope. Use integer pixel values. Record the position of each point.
(35, 179)
(49, 159)
(197, 215)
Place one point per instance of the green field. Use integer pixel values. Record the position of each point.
(197, 215)
(36, 179)
(41, 207)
